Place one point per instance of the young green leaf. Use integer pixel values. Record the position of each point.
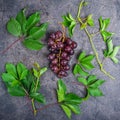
(90, 20)
(38, 97)
(21, 18)
(38, 32)
(74, 108)
(82, 80)
(32, 44)
(95, 92)
(91, 79)
(33, 20)
(72, 98)
(14, 27)
(66, 110)
(43, 70)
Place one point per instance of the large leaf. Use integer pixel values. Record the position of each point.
(21, 18)
(38, 97)
(32, 44)
(33, 20)
(66, 110)
(38, 32)
(14, 27)
(74, 108)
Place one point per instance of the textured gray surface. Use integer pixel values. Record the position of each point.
(103, 108)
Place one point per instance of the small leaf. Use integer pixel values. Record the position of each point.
(20, 69)
(78, 70)
(43, 70)
(97, 83)
(61, 90)
(115, 51)
(115, 60)
(95, 92)
(36, 73)
(87, 65)
(38, 97)
(72, 98)
(91, 79)
(81, 56)
(14, 27)
(74, 108)
(66, 110)
(38, 32)
(32, 44)
(106, 35)
(33, 20)
(90, 20)
(16, 91)
(83, 26)
(71, 28)
(10, 68)
(24, 74)
(109, 46)
(21, 18)
(82, 80)
(88, 58)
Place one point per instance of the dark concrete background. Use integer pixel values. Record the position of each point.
(102, 108)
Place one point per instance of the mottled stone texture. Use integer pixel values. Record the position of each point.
(102, 108)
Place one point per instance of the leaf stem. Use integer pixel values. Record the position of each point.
(47, 106)
(92, 44)
(6, 49)
(33, 106)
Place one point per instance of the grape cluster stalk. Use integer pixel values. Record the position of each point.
(61, 49)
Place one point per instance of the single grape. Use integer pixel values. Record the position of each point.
(67, 58)
(54, 61)
(51, 56)
(68, 41)
(62, 74)
(67, 49)
(73, 45)
(60, 45)
(71, 52)
(50, 42)
(64, 62)
(59, 33)
(52, 36)
(67, 67)
(54, 46)
(55, 69)
(64, 55)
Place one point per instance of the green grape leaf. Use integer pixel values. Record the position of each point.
(14, 27)
(109, 46)
(91, 79)
(43, 70)
(61, 91)
(7, 77)
(16, 91)
(70, 22)
(78, 70)
(87, 65)
(104, 23)
(38, 97)
(36, 73)
(74, 108)
(11, 69)
(21, 18)
(114, 59)
(95, 92)
(32, 44)
(81, 56)
(90, 20)
(82, 80)
(83, 26)
(32, 20)
(22, 71)
(106, 35)
(66, 110)
(72, 98)
(38, 32)
(97, 83)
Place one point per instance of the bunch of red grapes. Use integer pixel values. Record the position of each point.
(61, 49)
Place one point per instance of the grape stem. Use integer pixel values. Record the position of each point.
(90, 36)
